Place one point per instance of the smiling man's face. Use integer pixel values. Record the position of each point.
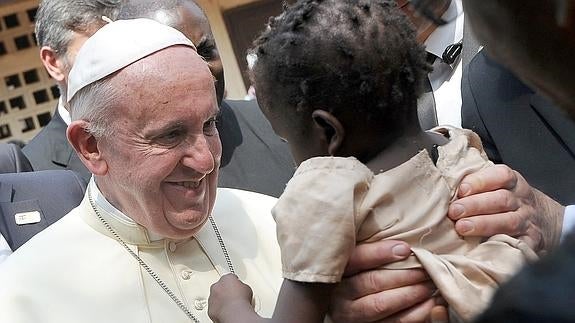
(164, 156)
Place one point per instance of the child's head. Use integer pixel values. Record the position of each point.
(339, 77)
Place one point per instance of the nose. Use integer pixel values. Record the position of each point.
(199, 155)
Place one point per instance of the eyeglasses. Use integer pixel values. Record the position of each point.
(436, 10)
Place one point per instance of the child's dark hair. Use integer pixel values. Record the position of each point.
(339, 55)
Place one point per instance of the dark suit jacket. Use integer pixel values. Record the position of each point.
(51, 193)
(12, 160)
(520, 128)
(254, 158)
(50, 149)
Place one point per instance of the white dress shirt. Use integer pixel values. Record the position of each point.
(63, 112)
(445, 78)
(568, 220)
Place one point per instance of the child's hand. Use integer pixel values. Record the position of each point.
(227, 297)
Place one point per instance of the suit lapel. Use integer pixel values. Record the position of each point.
(562, 127)
(61, 151)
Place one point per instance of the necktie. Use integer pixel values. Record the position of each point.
(426, 102)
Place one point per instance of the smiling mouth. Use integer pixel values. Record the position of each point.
(188, 184)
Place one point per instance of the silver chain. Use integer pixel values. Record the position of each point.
(149, 270)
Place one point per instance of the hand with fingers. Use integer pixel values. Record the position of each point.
(491, 201)
(228, 298)
(368, 294)
(498, 199)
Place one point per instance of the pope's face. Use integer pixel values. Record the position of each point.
(163, 158)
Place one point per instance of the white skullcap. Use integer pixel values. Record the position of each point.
(117, 45)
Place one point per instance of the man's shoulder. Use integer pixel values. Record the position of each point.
(46, 178)
(55, 189)
(247, 111)
(12, 159)
(251, 203)
(54, 131)
(40, 149)
(239, 212)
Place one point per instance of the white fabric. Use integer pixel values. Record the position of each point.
(446, 79)
(101, 201)
(75, 271)
(568, 220)
(64, 113)
(117, 45)
(5, 249)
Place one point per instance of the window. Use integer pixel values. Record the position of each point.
(55, 91)
(11, 21)
(12, 81)
(41, 96)
(27, 124)
(17, 103)
(22, 42)
(43, 118)
(5, 131)
(2, 48)
(31, 76)
(3, 108)
(32, 14)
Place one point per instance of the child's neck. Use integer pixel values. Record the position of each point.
(404, 148)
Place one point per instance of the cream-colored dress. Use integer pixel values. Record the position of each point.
(74, 271)
(333, 203)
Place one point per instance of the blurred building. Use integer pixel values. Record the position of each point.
(28, 96)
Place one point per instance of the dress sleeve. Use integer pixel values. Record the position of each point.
(317, 218)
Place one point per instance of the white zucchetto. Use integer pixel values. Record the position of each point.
(117, 45)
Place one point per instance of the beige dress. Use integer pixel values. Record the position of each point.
(75, 271)
(333, 203)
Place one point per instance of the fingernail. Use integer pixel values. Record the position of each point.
(456, 210)
(464, 226)
(464, 189)
(400, 250)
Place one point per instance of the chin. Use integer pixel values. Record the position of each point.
(187, 225)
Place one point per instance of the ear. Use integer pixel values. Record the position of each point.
(53, 64)
(86, 146)
(331, 129)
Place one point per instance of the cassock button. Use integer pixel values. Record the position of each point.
(172, 246)
(200, 304)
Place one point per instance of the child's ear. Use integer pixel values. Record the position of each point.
(331, 129)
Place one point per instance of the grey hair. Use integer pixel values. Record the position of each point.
(147, 8)
(57, 20)
(95, 103)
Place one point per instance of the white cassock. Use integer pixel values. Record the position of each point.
(74, 271)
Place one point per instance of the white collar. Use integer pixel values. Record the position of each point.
(103, 203)
(64, 113)
(448, 34)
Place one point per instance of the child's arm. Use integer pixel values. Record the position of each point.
(230, 302)
(302, 302)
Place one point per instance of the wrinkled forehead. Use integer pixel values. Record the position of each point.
(118, 45)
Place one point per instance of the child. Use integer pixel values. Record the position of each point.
(341, 78)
